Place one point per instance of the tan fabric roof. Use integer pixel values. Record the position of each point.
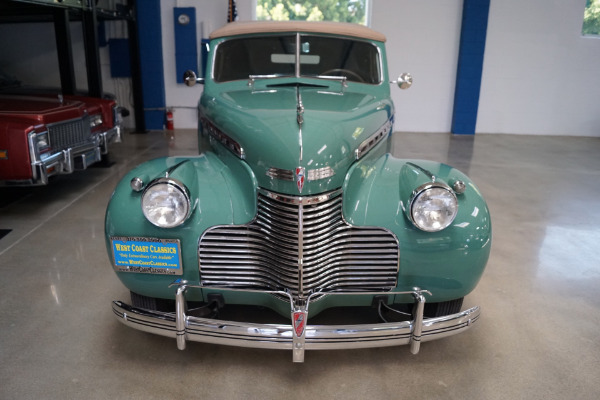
(338, 28)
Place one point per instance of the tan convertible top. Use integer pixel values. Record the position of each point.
(337, 28)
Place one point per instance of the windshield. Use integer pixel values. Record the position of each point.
(357, 61)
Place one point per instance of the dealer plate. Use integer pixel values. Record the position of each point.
(147, 255)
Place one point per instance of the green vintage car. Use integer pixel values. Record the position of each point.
(295, 228)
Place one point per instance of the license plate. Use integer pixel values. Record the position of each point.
(147, 255)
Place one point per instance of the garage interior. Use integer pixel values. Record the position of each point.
(533, 154)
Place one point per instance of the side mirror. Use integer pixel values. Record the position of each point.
(190, 78)
(405, 80)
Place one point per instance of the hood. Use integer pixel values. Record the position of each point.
(39, 108)
(285, 128)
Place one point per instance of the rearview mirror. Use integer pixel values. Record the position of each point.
(404, 81)
(190, 78)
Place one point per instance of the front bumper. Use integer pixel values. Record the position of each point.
(296, 336)
(65, 162)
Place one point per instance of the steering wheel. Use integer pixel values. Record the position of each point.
(342, 72)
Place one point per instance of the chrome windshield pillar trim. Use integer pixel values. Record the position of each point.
(297, 61)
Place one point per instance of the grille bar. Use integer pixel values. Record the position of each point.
(299, 244)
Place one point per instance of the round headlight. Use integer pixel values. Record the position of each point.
(166, 203)
(433, 207)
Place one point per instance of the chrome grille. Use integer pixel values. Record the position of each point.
(300, 244)
(71, 133)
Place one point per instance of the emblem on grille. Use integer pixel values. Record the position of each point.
(299, 178)
(299, 322)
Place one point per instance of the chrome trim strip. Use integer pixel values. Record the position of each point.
(372, 140)
(299, 113)
(311, 174)
(300, 199)
(212, 130)
(281, 174)
(425, 171)
(300, 250)
(320, 173)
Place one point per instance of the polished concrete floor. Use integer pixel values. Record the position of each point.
(538, 338)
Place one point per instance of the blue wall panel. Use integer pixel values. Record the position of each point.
(151, 56)
(186, 42)
(120, 66)
(470, 66)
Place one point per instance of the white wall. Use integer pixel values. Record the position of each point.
(423, 39)
(540, 76)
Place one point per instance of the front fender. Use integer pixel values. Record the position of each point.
(222, 192)
(450, 262)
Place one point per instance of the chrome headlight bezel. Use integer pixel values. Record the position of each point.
(416, 214)
(170, 188)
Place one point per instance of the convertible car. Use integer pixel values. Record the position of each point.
(295, 228)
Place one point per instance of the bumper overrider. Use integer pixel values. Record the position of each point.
(298, 336)
(112, 135)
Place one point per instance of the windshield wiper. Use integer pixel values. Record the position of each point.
(254, 78)
(299, 84)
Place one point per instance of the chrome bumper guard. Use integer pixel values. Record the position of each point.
(298, 336)
(112, 135)
(65, 162)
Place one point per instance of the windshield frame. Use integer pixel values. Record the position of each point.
(297, 67)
